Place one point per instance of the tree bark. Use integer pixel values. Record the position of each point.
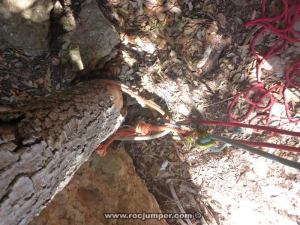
(42, 145)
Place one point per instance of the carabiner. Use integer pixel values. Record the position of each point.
(203, 140)
(237, 131)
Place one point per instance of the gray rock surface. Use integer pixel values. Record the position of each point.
(25, 24)
(94, 35)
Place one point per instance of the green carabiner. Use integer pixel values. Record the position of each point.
(200, 137)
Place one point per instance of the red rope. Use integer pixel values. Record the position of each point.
(289, 17)
(254, 127)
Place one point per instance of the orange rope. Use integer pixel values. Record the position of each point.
(142, 129)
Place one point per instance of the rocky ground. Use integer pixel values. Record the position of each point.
(192, 58)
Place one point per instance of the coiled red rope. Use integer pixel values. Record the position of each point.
(288, 17)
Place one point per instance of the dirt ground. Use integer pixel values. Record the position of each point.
(195, 56)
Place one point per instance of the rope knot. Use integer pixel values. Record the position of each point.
(143, 128)
(101, 150)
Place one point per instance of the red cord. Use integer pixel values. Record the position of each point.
(289, 17)
(254, 127)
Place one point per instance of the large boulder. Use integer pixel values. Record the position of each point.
(25, 24)
(90, 40)
(101, 185)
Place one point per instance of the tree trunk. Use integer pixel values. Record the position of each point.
(42, 145)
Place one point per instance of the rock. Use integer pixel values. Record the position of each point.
(75, 58)
(25, 24)
(55, 61)
(68, 22)
(18, 65)
(274, 64)
(58, 8)
(95, 36)
(101, 185)
(111, 165)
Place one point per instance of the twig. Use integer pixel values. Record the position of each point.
(208, 14)
(211, 213)
(178, 202)
(182, 180)
(252, 32)
(163, 194)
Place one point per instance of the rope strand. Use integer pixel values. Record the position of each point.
(289, 16)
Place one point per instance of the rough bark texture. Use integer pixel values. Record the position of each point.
(44, 144)
(101, 185)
